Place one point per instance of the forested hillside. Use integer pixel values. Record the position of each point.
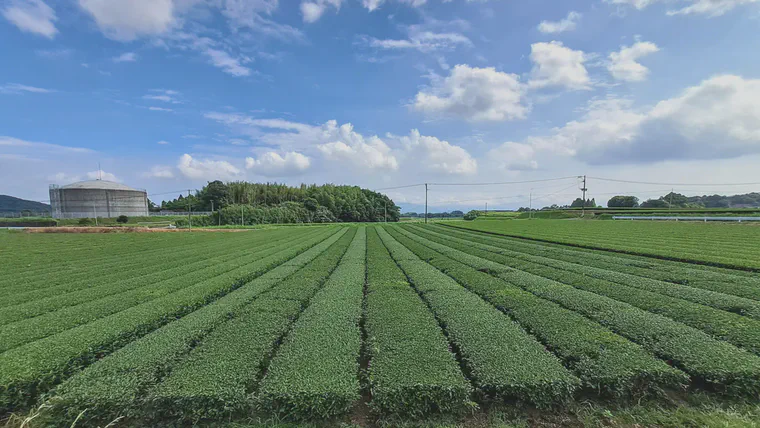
(10, 204)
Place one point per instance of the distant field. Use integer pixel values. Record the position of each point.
(388, 323)
(722, 244)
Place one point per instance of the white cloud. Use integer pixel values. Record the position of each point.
(163, 143)
(165, 95)
(717, 119)
(251, 14)
(638, 4)
(164, 98)
(555, 65)
(207, 169)
(125, 57)
(226, 62)
(357, 152)
(271, 164)
(438, 156)
(16, 88)
(19, 143)
(54, 53)
(567, 24)
(511, 156)
(711, 8)
(102, 175)
(126, 20)
(423, 41)
(373, 5)
(63, 178)
(314, 9)
(31, 16)
(474, 94)
(160, 109)
(160, 171)
(623, 66)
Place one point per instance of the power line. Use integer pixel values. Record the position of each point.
(400, 187)
(504, 182)
(522, 195)
(673, 184)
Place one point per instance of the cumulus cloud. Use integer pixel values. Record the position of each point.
(355, 151)
(555, 65)
(160, 171)
(511, 156)
(163, 143)
(160, 109)
(272, 164)
(474, 94)
(63, 178)
(332, 143)
(125, 57)
(313, 10)
(31, 16)
(207, 169)
(717, 119)
(126, 20)
(623, 66)
(102, 175)
(567, 24)
(438, 156)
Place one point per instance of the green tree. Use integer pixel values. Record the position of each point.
(216, 193)
(623, 202)
(654, 203)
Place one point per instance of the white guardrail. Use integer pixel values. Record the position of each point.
(684, 218)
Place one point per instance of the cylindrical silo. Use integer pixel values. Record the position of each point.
(97, 198)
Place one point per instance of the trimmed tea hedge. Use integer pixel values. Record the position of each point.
(502, 360)
(411, 370)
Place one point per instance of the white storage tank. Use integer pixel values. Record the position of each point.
(97, 198)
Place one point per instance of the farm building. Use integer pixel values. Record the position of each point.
(97, 198)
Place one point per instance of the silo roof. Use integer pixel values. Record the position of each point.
(99, 184)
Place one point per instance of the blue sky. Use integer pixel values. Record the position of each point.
(169, 94)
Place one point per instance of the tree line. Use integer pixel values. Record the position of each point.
(256, 203)
(677, 200)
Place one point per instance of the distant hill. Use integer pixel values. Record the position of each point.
(9, 204)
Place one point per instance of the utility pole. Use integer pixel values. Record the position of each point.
(426, 197)
(96, 215)
(486, 208)
(583, 205)
(530, 206)
(670, 204)
(189, 210)
(241, 215)
(385, 213)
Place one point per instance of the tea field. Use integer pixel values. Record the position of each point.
(381, 325)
